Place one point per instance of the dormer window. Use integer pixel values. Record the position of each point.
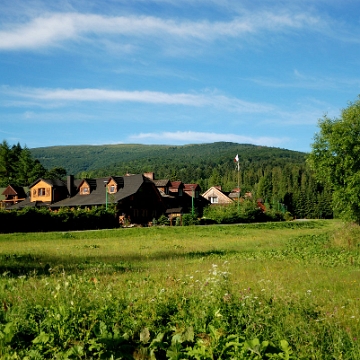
(85, 190)
(112, 189)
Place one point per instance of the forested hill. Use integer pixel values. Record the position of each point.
(278, 176)
(165, 161)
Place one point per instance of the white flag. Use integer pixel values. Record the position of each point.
(236, 158)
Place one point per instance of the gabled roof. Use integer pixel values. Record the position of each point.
(91, 182)
(176, 185)
(119, 180)
(190, 187)
(51, 182)
(164, 182)
(131, 186)
(14, 190)
(216, 192)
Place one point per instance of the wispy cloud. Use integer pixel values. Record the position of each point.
(63, 96)
(204, 137)
(309, 81)
(54, 28)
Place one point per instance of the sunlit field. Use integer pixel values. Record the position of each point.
(254, 291)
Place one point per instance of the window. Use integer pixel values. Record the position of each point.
(41, 192)
(112, 189)
(214, 199)
(85, 190)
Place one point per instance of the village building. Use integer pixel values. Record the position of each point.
(137, 198)
(11, 195)
(216, 196)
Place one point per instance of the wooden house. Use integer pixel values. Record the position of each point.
(43, 192)
(216, 197)
(135, 197)
(11, 195)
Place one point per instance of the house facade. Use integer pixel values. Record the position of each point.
(135, 197)
(216, 197)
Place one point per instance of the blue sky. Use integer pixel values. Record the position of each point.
(175, 71)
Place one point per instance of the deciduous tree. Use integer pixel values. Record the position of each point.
(335, 159)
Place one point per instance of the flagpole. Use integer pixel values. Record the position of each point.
(238, 165)
(236, 159)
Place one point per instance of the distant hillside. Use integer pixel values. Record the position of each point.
(135, 158)
(278, 176)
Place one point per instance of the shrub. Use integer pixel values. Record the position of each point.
(65, 219)
(163, 220)
(245, 212)
(189, 219)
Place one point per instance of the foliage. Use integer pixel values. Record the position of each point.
(18, 167)
(335, 159)
(163, 220)
(190, 219)
(65, 219)
(245, 212)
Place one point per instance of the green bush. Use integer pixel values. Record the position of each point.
(246, 212)
(163, 220)
(65, 219)
(189, 219)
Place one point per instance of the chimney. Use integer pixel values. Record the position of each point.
(70, 185)
(150, 175)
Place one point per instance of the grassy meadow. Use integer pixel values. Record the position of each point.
(285, 290)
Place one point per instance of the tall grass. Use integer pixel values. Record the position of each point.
(263, 291)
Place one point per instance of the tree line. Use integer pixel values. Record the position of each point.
(18, 167)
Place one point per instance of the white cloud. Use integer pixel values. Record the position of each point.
(204, 137)
(63, 96)
(54, 28)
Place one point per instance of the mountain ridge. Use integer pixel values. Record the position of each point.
(141, 157)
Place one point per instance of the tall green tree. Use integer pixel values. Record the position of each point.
(6, 164)
(28, 169)
(335, 160)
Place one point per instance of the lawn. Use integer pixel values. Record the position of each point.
(254, 291)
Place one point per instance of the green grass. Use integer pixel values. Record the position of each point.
(258, 291)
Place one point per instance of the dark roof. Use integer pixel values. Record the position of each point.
(190, 187)
(28, 203)
(119, 181)
(132, 184)
(163, 182)
(14, 190)
(51, 182)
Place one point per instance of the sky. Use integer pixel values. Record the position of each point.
(175, 72)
